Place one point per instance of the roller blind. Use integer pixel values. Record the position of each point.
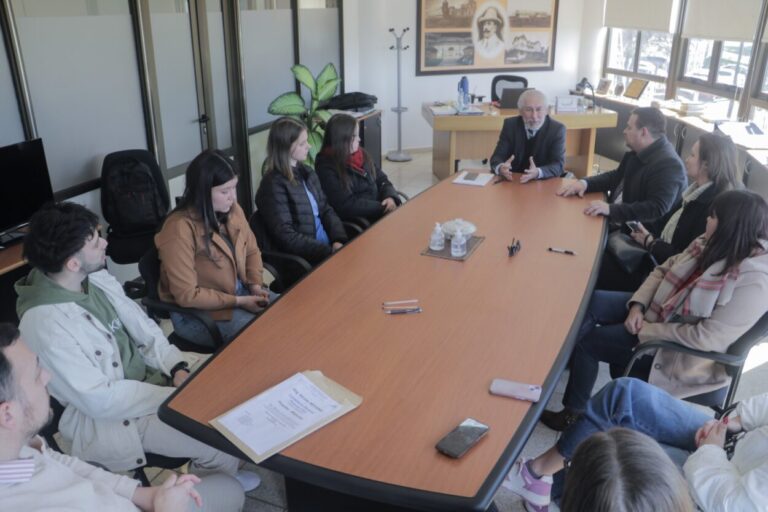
(722, 20)
(654, 15)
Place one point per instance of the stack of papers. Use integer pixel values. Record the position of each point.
(443, 110)
(285, 413)
(477, 179)
(471, 111)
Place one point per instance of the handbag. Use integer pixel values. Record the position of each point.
(629, 255)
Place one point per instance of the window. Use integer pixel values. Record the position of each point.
(639, 54)
(697, 59)
(734, 63)
(719, 64)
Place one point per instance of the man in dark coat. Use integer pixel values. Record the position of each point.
(531, 143)
(649, 180)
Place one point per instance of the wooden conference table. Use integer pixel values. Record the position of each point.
(419, 374)
(474, 137)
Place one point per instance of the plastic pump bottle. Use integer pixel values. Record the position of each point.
(437, 240)
(458, 244)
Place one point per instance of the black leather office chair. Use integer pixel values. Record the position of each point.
(153, 460)
(733, 360)
(501, 82)
(149, 268)
(125, 247)
(286, 268)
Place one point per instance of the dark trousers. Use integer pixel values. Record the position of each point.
(602, 337)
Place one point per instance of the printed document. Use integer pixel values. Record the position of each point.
(282, 415)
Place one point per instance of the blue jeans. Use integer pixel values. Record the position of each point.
(192, 330)
(637, 405)
(602, 337)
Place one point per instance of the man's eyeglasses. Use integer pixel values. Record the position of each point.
(514, 248)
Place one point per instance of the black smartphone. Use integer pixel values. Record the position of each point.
(633, 225)
(470, 176)
(462, 438)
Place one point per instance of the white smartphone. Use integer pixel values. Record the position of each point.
(518, 390)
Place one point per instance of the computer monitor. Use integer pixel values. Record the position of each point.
(26, 185)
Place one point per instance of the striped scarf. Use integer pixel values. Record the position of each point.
(679, 297)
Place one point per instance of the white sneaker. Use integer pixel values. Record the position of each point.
(521, 482)
(248, 479)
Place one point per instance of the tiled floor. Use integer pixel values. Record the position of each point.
(411, 178)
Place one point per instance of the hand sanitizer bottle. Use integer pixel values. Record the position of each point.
(437, 240)
(458, 244)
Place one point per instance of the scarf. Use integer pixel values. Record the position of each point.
(690, 194)
(681, 294)
(356, 162)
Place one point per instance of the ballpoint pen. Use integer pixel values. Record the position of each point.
(404, 311)
(561, 251)
(396, 302)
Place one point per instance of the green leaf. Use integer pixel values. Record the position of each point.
(326, 75)
(323, 115)
(315, 140)
(304, 76)
(328, 89)
(287, 104)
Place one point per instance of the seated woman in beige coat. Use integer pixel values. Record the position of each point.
(208, 254)
(704, 298)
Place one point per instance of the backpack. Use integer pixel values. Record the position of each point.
(134, 198)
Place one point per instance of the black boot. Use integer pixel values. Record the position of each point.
(560, 421)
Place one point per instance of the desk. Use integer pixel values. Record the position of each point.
(474, 137)
(420, 374)
(12, 267)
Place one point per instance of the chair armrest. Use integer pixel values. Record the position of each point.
(719, 357)
(199, 314)
(284, 256)
(352, 229)
(403, 197)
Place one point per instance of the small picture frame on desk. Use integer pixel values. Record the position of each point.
(603, 86)
(636, 88)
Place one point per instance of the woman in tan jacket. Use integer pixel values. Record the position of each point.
(208, 254)
(704, 298)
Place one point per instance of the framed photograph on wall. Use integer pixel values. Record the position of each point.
(478, 36)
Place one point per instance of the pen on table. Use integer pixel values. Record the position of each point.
(402, 311)
(394, 302)
(561, 251)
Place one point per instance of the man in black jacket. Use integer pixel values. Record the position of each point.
(531, 143)
(649, 180)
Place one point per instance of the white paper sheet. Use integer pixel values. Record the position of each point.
(279, 414)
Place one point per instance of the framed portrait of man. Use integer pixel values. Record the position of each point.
(466, 36)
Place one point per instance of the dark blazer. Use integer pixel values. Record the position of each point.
(364, 195)
(548, 147)
(652, 182)
(691, 224)
(288, 216)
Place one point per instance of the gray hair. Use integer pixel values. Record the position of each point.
(531, 94)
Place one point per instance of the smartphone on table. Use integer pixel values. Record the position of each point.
(518, 390)
(462, 438)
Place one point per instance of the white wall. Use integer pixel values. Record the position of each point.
(592, 45)
(371, 67)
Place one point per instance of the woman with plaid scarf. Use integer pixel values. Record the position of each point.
(704, 298)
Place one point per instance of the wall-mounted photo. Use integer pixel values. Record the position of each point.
(477, 36)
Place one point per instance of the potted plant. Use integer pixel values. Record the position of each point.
(321, 89)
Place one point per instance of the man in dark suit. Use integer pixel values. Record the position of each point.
(531, 143)
(649, 180)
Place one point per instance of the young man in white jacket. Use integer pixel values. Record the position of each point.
(111, 364)
(717, 483)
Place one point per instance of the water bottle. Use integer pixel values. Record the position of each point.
(460, 100)
(465, 90)
(458, 244)
(437, 240)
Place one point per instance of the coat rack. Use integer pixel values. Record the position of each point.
(399, 155)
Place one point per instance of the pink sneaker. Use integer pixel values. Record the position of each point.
(536, 491)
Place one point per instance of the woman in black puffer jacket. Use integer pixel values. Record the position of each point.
(355, 187)
(291, 201)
